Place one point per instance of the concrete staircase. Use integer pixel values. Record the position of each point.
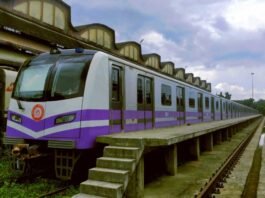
(112, 173)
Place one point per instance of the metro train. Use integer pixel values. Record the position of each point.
(64, 99)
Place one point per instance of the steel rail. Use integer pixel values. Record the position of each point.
(54, 192)
(217, 179)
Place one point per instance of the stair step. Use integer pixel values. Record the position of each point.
(109, 175)
(100, 188)
(82, 195)
(121, 152)
(128, 142)
(116, 163)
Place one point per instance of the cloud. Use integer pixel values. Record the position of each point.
(223, 86)
(219, 41)
(246, 15)
(155, 42)
(238, 92)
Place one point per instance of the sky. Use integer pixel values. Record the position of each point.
(222, 42)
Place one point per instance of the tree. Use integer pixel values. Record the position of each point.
(259, 105)
(220, 94)
(228, 95)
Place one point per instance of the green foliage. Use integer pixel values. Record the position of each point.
(227, 95)
(259, 105)
(9, 188)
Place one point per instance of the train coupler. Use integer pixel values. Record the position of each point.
(30, 161)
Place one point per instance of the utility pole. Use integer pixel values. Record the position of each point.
(252, 75)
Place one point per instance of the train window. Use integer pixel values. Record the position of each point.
(207, 103)
(115, 84)
(140, 90)
(31, 82)
(166, 95)
(180, 99)
(217, 105)
(148, 98)
(191, 102)
(67, 79)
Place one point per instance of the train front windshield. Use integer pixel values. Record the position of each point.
(52, 77)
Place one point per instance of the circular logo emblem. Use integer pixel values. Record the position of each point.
(37, 112)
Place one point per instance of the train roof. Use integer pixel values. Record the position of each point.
(59, 52)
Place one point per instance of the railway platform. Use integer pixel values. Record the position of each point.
(172, 135)
(122, 167)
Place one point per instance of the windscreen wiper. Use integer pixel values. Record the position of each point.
(20, 105)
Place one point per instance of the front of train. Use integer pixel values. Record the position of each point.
(46, 106)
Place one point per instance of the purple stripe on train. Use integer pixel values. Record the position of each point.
(134, 127)
(96, 114)
(14, 133)
(86, 138)
(115, 128)
(92, 114)
(148, 114)
(165, 114)
(134, 114)
(115, 114)
(99, 114)
(84, 115)
(45, 123)
(192, 114)
(27, 122)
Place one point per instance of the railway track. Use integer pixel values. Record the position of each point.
(54, 192)
(219, 177)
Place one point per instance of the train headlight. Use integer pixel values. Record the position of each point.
(16, 118)
(65, 119)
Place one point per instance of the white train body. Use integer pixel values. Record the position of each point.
(114, 95)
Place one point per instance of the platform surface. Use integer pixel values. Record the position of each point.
(172, 135)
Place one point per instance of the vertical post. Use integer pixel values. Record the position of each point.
(206, 142)
(171, 159)
(194, 148)
(230, 132)
(136, 185)
(217, 137)
(224, 134)
(252, 74)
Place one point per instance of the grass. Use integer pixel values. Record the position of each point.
(9, 188)
(252, 182)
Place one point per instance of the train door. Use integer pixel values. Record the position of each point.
(212, 109)
(226, 110)
(200, 106)
(221, 109)
(116, 106)
(145, 101)
(181, 105)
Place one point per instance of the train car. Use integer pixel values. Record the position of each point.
(7, 79)
(63, 100)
